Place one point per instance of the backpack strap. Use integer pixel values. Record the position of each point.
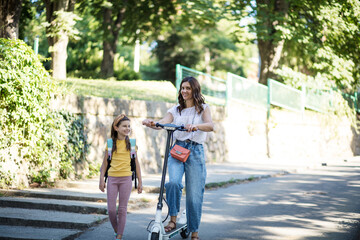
(110, 146)
(132, 162)
(133, 147)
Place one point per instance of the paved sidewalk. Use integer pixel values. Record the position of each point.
(68, 199)
(217, 175)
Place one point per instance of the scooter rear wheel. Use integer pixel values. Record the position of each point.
(155, 236)
(184, 233)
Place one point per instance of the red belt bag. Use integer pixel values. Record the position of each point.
(180, 153)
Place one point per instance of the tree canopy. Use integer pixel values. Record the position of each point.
(313, 37)
(317, 38)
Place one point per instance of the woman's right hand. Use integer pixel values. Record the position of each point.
(148, 122)
(102, 185)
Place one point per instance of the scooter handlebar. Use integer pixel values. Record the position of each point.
(172, 127)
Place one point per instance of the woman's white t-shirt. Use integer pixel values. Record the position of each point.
(188, 116)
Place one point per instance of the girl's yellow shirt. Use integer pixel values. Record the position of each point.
(120, 161)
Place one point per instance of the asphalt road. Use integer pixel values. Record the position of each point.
(315, 204)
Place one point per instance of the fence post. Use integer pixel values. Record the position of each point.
(137, 56)
(228, 96)
(36, 45)
(228, 88)
(303, 98)
(356, 102)
(268, 98)
(268, 153)
(178, 77)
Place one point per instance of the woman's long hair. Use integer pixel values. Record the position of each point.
(114, 133)
(196, 94)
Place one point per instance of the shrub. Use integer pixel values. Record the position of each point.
(33, 137)
(76, 148)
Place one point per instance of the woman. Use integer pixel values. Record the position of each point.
(194, 114)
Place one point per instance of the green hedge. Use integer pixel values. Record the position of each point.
(37, 144)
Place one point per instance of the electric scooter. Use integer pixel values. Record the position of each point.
(157, 231)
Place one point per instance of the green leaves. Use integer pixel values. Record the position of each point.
(34, 138)
(321, 36)
(63, 24)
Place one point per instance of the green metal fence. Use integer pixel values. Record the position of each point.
(218, 91)
(284, 96)
(318, 100)
(213, 88)
(247, 91)
(352, 100)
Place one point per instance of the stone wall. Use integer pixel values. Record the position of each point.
(290, 136)
(241, 132)
(100, 112)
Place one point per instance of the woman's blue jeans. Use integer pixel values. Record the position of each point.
(195, 175)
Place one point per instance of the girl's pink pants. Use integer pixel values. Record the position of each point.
(118, 186)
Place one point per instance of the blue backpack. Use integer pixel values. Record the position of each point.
(132, 157)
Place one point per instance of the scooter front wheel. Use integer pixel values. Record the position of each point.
(155, 236)
(184, 233)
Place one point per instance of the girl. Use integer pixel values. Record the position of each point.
(119, 174)
(195, 115)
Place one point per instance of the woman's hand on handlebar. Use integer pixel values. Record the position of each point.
(148, 122)
(191, 127)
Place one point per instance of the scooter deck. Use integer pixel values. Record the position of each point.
(175, 231)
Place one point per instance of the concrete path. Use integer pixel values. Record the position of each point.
(72, 207)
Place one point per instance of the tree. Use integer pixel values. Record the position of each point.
(126, 21)
(315, 37)
(326, 34)
(212, 50)
(271, 13)
(178, 48)
(225, 53)
(10, 11)
(180, 42)
(112, 23)
(59, 27)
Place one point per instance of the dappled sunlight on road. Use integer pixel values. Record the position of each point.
(216, 218)
(354, 183)
(307, 205)
(311, 205)
(288, 233)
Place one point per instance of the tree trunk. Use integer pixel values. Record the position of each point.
(59, 56)
(110, 40)
(9, 18)
(270, 45)
(109, 46)
(58, 44)
(270, 54)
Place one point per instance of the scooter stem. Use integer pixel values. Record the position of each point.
(160, 204)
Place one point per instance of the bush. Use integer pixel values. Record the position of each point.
(76, 147)
(33, 137)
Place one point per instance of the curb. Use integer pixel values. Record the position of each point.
(29, 193)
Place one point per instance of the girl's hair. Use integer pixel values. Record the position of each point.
(196, 94)
(114, 133)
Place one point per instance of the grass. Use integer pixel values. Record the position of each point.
(232, 181)
(162, 91)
